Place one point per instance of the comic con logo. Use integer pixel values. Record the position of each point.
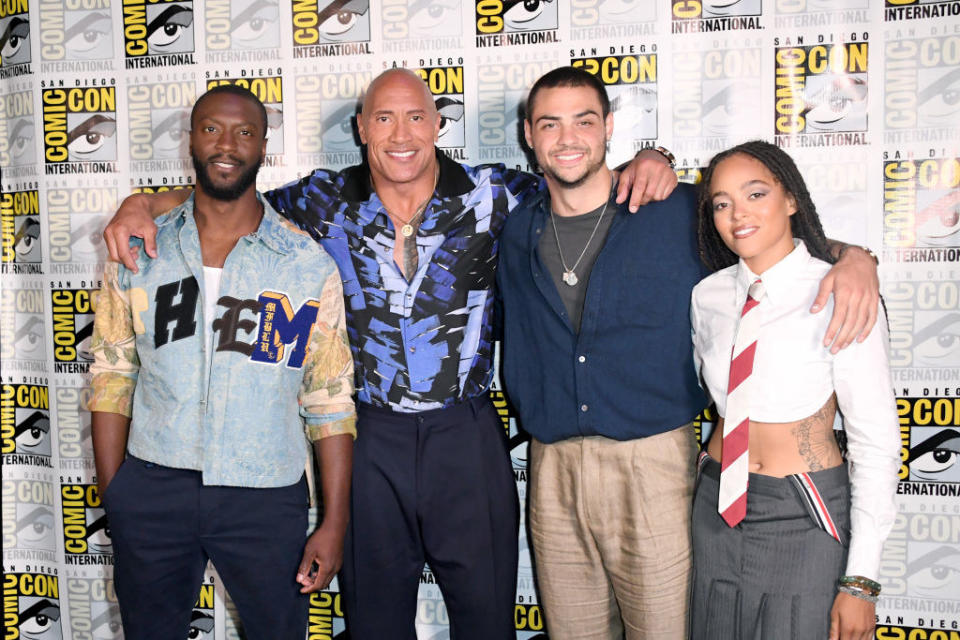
(838, 185)
(73, 313)
(28, 516)
(94, 611)
(501, 89)
(693, 16)
(325, 616)
(715, 93)
(631, 82)
(20, 226)
(930, 439)
(413, 19)
(515, 22)
(80, 126)
(202, 618)
(919, 561)
(446, 87)
(159, 119)
(31, 606)
(21, 324)
(821, 89)
(15, 30)
(921, 202)
(921, 84)
(919, 9)
(85, 528)
(269, 90)
(25, 420)
(157, 33)
(924, 324)
(330, 27)
(73, 424)
(326, 106)
(75, 219)
(242, 24)
(17, 130)
(76, 30)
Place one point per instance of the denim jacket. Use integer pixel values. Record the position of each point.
(281, 371)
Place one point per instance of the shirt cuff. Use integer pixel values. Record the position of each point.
(112, 393)
(321, 426)
(863, 558)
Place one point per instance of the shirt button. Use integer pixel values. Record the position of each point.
(413, 349)
(584, 408)
(538, 230)
(582, 359)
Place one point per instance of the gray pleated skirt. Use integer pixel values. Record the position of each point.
(774, 575)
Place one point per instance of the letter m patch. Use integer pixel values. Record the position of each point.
(280, 326)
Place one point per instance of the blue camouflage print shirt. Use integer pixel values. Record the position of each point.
(427, 343)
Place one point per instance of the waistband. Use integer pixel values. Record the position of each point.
(467, 409)
(758, 483)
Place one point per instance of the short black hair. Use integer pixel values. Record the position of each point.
(804, 224)
(234, 90)
(568, 77)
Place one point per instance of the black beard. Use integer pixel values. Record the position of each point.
(230, 192)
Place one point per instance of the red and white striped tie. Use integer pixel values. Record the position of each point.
(734, 467)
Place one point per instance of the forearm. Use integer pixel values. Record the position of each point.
(109, 432)
(156, 204)
(334, 456)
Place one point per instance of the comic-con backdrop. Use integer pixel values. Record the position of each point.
(865, 94)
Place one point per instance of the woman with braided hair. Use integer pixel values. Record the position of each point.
(786, 540)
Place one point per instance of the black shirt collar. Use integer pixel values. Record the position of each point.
(453, 180)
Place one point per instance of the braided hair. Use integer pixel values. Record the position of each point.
(804, 224)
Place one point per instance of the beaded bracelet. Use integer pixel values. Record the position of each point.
(857, 593)
(864, 584)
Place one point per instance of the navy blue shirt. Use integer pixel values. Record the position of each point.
(629, 372)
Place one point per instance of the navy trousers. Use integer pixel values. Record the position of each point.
(165, 525)
(434, 486)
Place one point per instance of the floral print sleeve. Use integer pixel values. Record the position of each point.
(116, 363)
(326, 391)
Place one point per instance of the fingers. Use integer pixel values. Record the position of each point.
(854, 318)
(834, 625)
(623, 186)
(639, 195)
(871, 302)
(150, 242)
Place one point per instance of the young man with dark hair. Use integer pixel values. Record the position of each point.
(598, 363)
(215, 364)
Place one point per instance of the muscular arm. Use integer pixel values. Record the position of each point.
(109, 445)
(134, 218)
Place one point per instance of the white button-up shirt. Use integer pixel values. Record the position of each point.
(794, 376)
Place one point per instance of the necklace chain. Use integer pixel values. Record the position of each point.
(569, 273)
(407, 230)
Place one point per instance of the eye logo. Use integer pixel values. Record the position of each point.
(161, 31)
(242, 24)
(78, 33)
(505, 16)
(15, 36)
(446, 86)
(31, 603)
(20, 225)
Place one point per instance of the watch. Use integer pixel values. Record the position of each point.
(666, 154)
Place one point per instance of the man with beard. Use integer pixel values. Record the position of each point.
(215, 364)
(415, 236)
(599, 365)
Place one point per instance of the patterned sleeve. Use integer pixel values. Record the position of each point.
(115, 360)
(326, 393)
(307, 202)
(522, 185)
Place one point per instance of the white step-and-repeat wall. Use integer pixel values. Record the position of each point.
(865, 94)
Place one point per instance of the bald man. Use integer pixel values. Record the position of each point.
(415, 236)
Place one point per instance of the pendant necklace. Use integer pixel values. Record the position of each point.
(569, 273)
(407, 229)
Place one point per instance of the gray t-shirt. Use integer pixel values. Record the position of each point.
(573, 232)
